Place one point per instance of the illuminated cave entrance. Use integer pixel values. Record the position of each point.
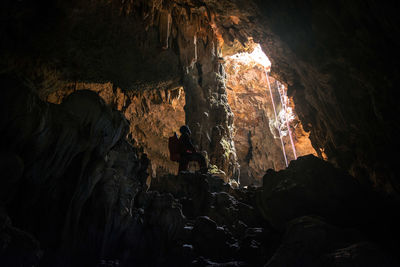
(268, 133)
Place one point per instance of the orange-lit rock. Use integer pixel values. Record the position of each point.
(257, 143)
(153, 116)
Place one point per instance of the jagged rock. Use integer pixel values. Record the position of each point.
(153, 116)
(192, 189)
(11, 168)
(226, 210)
(17, 247)
(199, 198)
(329, 62)
(164, 212)
(153, 235)
(257, 141)
(307, 239)
(210, 240)
(206, 262)
(359, 254)
(81, 181)
(337, 58)
(311, 186)
(257, 246)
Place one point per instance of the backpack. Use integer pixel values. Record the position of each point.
(173, 146)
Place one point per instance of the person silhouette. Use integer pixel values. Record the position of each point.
(188, 151)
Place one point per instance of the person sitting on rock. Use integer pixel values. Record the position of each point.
(188, 152)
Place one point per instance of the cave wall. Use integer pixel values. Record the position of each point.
(136, 45)
(153, 116)
(339, 61)
(50, 42)
(207, 110)
(73, 193)
(72, 183)
(346, 75)
(256, 137)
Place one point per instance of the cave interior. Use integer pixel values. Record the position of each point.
(292, 103)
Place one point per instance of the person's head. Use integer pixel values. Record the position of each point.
(185, 129)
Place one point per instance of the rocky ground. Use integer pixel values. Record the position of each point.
(310, 214)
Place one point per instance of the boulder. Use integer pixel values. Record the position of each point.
(311, 186)
(307, 239)
(212, 241)
(359, 254)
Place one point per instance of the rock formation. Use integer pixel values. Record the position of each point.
(311, 214)
(75, 181)
(73, 186)
(329, 60)
(153, 116)
(257, 139)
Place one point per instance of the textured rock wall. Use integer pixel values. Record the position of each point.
(153, 116)
(256, 138)
(71, 179)
(344, 76)
(135, 45)
(339, 61)
(207, 110)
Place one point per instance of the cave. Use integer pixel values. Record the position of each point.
(291, 103)
(267, 132)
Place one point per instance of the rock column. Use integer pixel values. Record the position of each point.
(208, 113)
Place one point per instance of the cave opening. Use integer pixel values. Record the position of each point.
(268, 134)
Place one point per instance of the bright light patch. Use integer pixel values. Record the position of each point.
(280, 124)
(285, 116)
(255, 57)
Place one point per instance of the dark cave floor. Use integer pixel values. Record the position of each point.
(310, 214)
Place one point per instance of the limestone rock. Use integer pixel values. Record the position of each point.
(210, 240)
(310, 186)
(17, 247)
(153, 115)
(359, 254)
(256, 139)
(307, 239)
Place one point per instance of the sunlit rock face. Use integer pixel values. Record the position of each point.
(257, 138)
(153, 116)
(207, 110)
(339, 61)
